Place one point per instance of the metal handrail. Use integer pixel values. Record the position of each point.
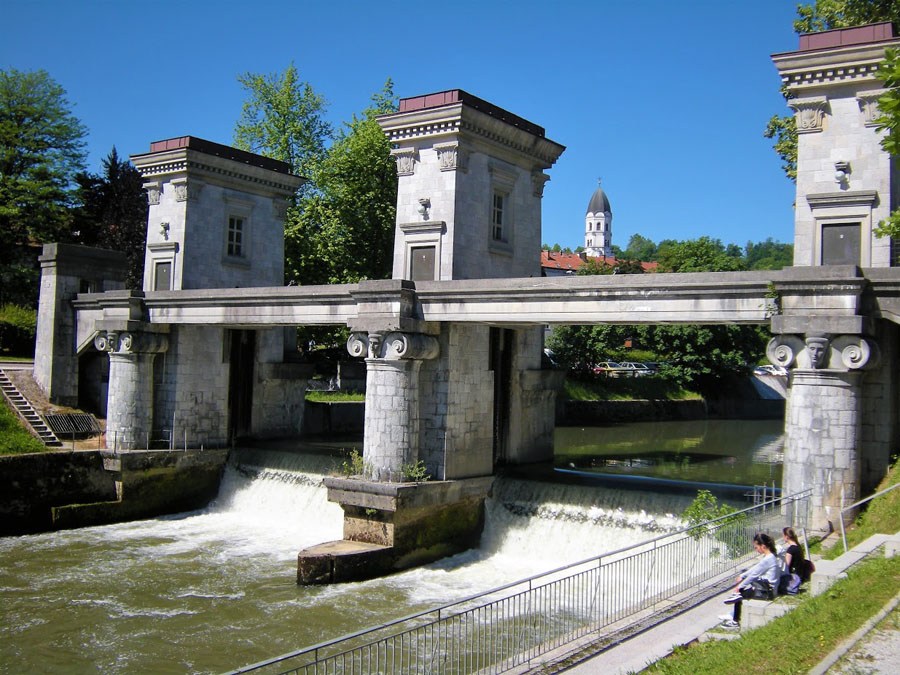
(546, 610)
(859, 503)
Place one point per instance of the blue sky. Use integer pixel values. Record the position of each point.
(665, 100)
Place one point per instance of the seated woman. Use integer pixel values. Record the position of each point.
(768, 569)
(792, 554)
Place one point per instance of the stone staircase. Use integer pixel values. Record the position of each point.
(27, 412)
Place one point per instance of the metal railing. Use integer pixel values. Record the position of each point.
(506, 627)
(860, 503)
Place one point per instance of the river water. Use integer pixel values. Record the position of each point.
(215, 589)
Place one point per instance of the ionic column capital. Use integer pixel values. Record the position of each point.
(393, 346)
(131, 342)
(823, 351)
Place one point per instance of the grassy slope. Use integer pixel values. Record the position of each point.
(13, 438)
(882, 515)
(799, 640)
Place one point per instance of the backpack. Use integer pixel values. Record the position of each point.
(805, 569)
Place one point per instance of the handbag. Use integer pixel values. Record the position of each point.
(761, 589)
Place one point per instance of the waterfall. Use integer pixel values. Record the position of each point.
(214, 588)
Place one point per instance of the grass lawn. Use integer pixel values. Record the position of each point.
(13, 438)
(334, 396)
(624, 388)
(800, 639)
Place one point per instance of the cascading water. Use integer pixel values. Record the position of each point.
(210, 590)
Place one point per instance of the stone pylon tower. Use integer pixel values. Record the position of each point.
(598, 225)
(843, 362)
(471, 179)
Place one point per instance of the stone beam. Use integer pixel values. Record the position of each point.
(794, 299)
(285, 306)
(718, 297)
(884, 297)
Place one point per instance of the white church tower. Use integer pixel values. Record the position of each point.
(598, 225)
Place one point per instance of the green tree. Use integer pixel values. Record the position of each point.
(283, 118)
(345, 231)
(113, 213)
(41, 152)
(700, 255)
(640, 248)
(768, 255)
(889, 121)
(702, 358)
(811, 18)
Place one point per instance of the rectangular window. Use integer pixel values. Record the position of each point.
(235, 244)
(841, 244)
(497, 231)
(162, 276)
(421, 266)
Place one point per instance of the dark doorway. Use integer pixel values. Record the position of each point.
(242, 358)
(502, 342)
(840, 244)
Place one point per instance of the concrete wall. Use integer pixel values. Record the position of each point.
(879, 405)
(55, 490)
(191, 384)
(464, 398)
(66, 271)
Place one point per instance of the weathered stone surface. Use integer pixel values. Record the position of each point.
(63, 489)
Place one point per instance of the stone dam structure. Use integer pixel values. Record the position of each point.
(452, 343)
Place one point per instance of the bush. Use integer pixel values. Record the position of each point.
(17, 330)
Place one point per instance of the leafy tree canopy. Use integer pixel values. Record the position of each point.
(41, 151)
(640, 248)
(768, 255)
(283, 118)
(697, 357)
(344, 232)
(113, 213)
(700, 255)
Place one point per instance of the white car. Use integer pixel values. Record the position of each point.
(639, 368)
(781, 371)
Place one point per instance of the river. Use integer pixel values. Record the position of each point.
(214, 589)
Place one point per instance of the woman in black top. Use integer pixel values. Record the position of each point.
(793, 552)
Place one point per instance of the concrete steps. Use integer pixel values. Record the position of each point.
(27, 412)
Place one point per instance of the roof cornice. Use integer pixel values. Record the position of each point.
(458, 118)
(833, 65)
(214, 169)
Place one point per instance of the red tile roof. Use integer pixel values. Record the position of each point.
(552, 260)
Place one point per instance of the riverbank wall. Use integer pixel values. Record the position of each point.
(60, 490)
(595, 413)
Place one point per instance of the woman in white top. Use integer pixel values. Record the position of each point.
(768, 568)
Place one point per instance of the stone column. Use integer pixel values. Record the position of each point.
(129, 416)
(391, 432)
(823, 423)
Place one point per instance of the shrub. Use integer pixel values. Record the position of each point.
(17, 330)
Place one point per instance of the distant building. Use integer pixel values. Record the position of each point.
(598, 226)
(554, 264)
(597, 242)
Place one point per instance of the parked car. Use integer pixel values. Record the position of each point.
(639, 369)
(608, 369)
(770, 370)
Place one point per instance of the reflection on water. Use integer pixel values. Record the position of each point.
(740, 452)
